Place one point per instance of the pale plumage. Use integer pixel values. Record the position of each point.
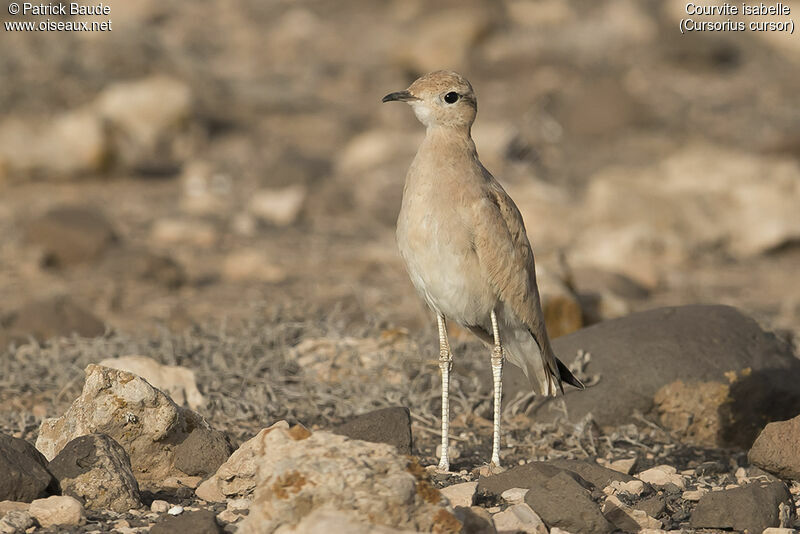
(465, 246)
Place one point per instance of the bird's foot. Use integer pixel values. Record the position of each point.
(444, 466)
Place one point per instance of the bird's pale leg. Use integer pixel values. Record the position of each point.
(497, 378)
(445, 364)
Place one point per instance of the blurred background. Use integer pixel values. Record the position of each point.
(212, 162)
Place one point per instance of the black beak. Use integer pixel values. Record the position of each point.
(399, 96)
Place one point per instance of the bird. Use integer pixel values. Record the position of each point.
(466, 250)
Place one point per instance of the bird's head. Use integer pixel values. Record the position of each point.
(441, 98)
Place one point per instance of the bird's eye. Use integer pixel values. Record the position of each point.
(451, 97)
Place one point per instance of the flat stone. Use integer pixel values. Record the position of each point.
(519, 518)
(625, 517)
(689, 343)
(562, 502)
(591, 471)
(200, 522)
(461, 494)
(753, 507)
(96, 470)
(777, 449)
(387, 425)
(23, 471)
(653, 506)
(514, 495)
(70, 235)
(202, 452)
(58, 510)
(176, 381)
(662, 476)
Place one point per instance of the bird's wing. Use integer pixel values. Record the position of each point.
(506, 258)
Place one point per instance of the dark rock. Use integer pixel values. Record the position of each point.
(70, 235)
(49, 318)
(387, 425)
(638, 354)
(200, 522)
(751, 508)
(96, 470)
(23, 471)
(202, 452)
(562, 502)
(591, 471)
(474, 520)
(653, 506)
(530, 475)
(777, 449)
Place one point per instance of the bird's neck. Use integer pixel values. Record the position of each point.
(451, 139)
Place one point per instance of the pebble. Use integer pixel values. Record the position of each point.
(693, 495)
(159, 506)
(514, 495)
(460, 494)
(175, 510)
(661, 476)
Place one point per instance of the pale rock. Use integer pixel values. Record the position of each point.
(252, 265)
(624, 466)
(462, 494)
(13, 506)
(236, 478)
(327, 520)
(632, 487)
(160, 507)
(136, 415)
(170, 232)
(15, 522)
(58, 510)
(556, 530)
(661, 476)
(515, 495)
(779, 530)
(182, 482)
(299, 472)
(68, 145)
(278, 206)
(145, 115)
(175, 510)
(176, 381)
(375, 148)
(205, 191)
(519, 518)
(693, 495)
(694, 411)
(626, 518)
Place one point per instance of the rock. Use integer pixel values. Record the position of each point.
(627, 518)
(58, 510)
(52, 317)
(514, 495)
(591, 471)
(562, 502)
(300, 472)
(175, 510)
(171, 232)
(139, 417)
(96, 470)
(462, 494)
(689, 343)
(527, 476)
(693, 495)
(474, 520)
(146, 117)
(653, 506)
(387, 425)
(752, 508)
(69, 145)
(279, 207)
(15, 522)
(519, 518)
(176, 381)
(778, 530)
(23, 471)
(777, 449)
(236, 478)
(692, 410)
(200, 522)
(634, 488)
(190, 482)
(69, 235)
(202, 452)
(661, 476)
(624, 466)
(13, 506)
(251, 265)
(326, 520)
(158, 506)
(605, 295)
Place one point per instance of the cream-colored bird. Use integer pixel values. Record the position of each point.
(466, 250)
